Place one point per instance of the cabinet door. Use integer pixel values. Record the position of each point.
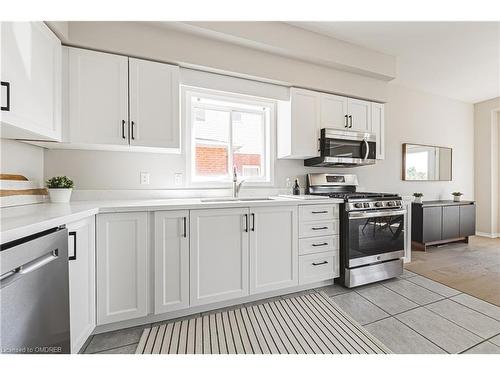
(31, 73)
(218, 255)
(171, 260)
(98, 97)
(467, 220)
(432, 224)
(333, 111)
(273, 248)
(81, 250)
(122, 267)
(378, 127)
(305, 123)
(451, 222)
(359, 114)
(154, 104)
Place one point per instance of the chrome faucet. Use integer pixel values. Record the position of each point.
(236, 185)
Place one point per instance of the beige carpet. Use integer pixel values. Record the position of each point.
(307, 323)
(472, 268)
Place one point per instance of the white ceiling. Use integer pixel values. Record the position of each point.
(460, 60)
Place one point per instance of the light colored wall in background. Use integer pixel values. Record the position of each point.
(411, 116)
(21, 158)
(486, 161)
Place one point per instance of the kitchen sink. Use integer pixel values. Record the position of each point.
(229, 199)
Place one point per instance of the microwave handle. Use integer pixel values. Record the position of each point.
(367, 152)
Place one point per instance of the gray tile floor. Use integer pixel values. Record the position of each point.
(409, 314)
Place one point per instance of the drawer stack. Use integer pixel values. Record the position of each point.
(318, 243)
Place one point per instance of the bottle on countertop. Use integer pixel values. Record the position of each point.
(289, 186)
(296, 187)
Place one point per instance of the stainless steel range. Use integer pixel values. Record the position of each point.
(372, 235)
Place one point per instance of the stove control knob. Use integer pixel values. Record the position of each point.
(358, 205)
(366, 205)
(379, 204)
(391, 203)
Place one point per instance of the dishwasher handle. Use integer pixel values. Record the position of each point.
(26, 268)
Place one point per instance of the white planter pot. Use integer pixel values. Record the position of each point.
(418, 199)
(456, 198)
(60, 195)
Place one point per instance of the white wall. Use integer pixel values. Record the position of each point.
(486, 165)
(411, 116)
(21, 158)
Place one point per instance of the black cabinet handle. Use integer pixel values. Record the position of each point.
(123, 129)
(345, 118)
(320, 263)
(73, 257)
(185, 226)
(7, 96)
(246, 223)
(253, 222)
(319, 212)
(320, 244)
(319, 228)
(350, 121)
(132, 130)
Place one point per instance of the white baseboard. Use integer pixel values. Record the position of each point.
(489, 235)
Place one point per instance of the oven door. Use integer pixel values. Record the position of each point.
(375, 236)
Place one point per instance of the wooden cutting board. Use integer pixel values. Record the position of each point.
(16, 190)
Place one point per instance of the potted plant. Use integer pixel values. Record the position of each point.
(60, 188)
(456, 196)
(418, 197)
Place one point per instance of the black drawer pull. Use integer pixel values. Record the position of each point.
(320, 263)
(184, 219)
(319, 228)
(123, 129)
(320, 244)
(7, 96)
(73, 256)
(319, 212)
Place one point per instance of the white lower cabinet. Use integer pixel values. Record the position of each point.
(81, 252)
(273, 248)
(171, 258)
(318, 267)
(122, 266)
(218, 255)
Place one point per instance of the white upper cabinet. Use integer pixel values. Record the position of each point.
(154, 104)
(298, 125)
(333, 111)
(359, 115)
(273, 248)
(377, 127)
(81, 250)
(218, 255)
(98, 97)
(122, 266)
(301, 118)
(171, 257)
(31, 82)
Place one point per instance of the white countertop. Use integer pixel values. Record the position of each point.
(21, 221)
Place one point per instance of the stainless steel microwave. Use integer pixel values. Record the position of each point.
(340, 148)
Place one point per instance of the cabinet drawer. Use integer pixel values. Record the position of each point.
(318, 267)
(318, 212)
(318, 228)
(318, 244)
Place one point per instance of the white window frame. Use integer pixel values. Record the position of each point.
(188, 92)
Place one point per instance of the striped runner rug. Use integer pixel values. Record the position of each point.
(305, 324)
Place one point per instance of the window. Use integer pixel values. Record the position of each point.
(228, 131)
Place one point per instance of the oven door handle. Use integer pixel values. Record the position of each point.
(364, 214)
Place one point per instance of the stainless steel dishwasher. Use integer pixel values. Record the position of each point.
(34, 294)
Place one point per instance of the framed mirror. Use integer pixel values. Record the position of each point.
(426, 163)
